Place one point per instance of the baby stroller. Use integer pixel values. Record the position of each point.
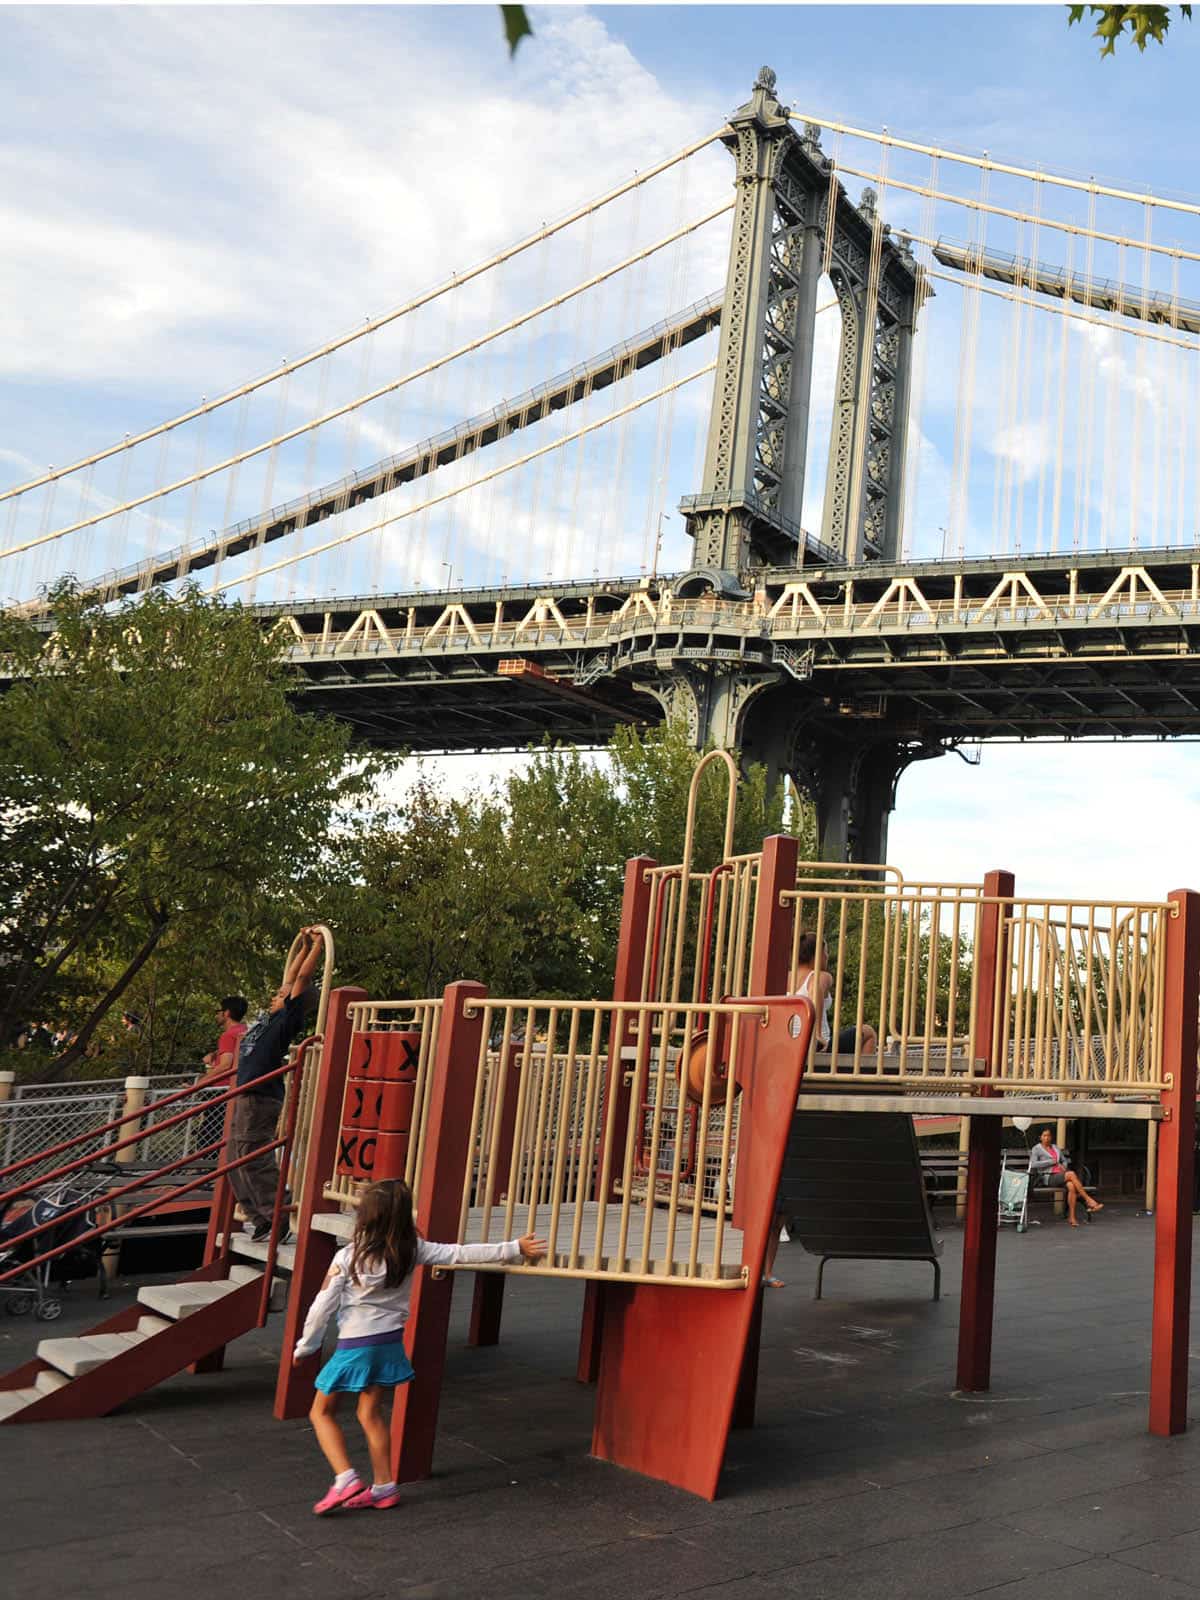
(32, 1290)
(1014, 1197)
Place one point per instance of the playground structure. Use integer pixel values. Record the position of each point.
(644, 1136)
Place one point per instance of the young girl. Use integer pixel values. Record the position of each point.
(368, 1286)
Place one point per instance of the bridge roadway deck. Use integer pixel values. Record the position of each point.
(1069, 646)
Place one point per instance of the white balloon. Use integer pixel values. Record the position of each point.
(1024, 1123)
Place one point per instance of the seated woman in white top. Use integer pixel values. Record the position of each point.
(815, 982)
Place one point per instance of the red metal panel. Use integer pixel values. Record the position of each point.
(443, 1171)
(628, 981)
(770, 952)
(673, 1359)
(983, 1156)
(315, 1250)
(1176, 1146)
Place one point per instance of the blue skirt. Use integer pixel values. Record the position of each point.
(367, 1367)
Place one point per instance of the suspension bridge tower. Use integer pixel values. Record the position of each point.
(791, 227)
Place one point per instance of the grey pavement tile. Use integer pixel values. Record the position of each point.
(787, 1536)
(1099, 1580)
(105, 1564)
(936, 1566)
(1108, 1520)
(98, 1507)
(1177, 1558)
(642, 1566)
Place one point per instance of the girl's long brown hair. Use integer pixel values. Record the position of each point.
(385, 1234)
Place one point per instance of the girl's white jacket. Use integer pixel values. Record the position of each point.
(369, 1307)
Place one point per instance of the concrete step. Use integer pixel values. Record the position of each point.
(13, 1400)
(48, 1381)
(338, 1223)
(175, 1300)
(77, 1356)
(242, 1245)
(152, 1325)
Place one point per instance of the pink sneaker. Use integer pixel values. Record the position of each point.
(334, 1498)
(366, 1501)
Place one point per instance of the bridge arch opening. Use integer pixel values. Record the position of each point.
(827, 342)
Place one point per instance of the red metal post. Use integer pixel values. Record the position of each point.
(770, 961)
(314, 1250)
(1176, 1158)
(439, 1200)
(983, 1151)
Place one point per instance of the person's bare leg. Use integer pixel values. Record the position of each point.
(772, 1246)
(1072, 1198)
(1075, 1188)
(323, 1416)
(870, 1039)
(376, 1432)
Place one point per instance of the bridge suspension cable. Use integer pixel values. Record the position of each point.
(965, 158)
(160, 491)
(475, 483)
(372, 325)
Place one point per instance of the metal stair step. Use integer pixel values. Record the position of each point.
(48, 1380)
(176, 1300)
(13, 1400)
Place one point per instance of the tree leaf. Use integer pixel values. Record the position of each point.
(516, 26)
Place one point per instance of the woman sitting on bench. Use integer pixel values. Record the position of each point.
(1048, 1167)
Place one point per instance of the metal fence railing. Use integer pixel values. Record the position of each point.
(40, 1116)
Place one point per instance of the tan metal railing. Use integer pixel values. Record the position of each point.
(559, 1136)
(1077, 1001)
(421, 1017)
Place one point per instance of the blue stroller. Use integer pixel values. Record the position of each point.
(33, 1290)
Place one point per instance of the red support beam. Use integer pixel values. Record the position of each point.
(673, 1359)
(770, 953)
(439, 1201)
(1176, 1158)
(983, 1150)
(315, 1250)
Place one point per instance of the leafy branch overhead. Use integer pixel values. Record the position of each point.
(516, 26)
(1142, 23)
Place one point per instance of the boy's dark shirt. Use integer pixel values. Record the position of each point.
(268, 1049)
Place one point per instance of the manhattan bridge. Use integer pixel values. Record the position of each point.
(844, 483)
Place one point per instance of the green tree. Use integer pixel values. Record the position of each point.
(158, 793)
(520, 885)
(1141, 23)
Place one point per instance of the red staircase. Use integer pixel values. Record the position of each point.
(171, 1326)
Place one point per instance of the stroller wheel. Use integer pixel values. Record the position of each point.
(49, 1310)
(19, 1305)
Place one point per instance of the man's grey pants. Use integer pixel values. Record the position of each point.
(255, 1118)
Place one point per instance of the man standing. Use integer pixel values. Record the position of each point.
(256, 1113)
(230, 1015)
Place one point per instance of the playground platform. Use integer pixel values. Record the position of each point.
(865, 1475)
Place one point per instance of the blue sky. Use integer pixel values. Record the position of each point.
(188, 195)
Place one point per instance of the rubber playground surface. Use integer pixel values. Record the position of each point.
(865, 1477)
